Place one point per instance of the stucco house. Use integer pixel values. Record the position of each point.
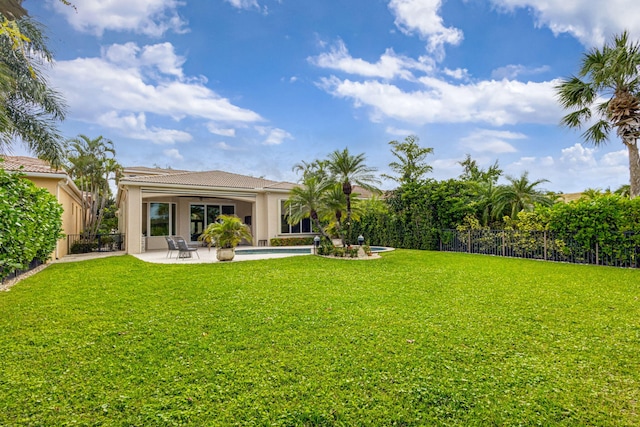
(56, 182)
(154, 203)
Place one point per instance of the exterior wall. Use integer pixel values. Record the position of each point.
(71, 220)
(262, 207)
(183, 213)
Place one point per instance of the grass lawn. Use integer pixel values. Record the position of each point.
(415, 338)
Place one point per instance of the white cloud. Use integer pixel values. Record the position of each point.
(130, 86)
(274, 136)
(244, 4)
(616, 158)
(120, 81)
(513, 71)
(389, 65)
(149, 17)
(224, 146)
(213, 128)
(493, 102)
(591, 22)
(154, 60)
(578, 155)
(576, 168)
(458, 73)
(173, 154)
(135, 126)
(422, 17)
(491, 141)
(398, 132)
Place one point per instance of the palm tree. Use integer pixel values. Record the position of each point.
(608, 85)
(348, 169)
(521, 194)
(410, 164)
(489, 206)
(305, 201)
(29, 108)
(92, 166)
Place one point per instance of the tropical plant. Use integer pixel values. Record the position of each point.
(29, 108)
(30, 220)
(473, 172)
(348, 169)
(522, 194)
(490, 208)
(607, 86)
(305, 201)
(226, 233)
(410, 165)
(92, 166)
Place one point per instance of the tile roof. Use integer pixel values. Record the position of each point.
(145, 170)
(209, 179)
(29, 164)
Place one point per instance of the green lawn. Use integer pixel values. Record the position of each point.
(415, 338)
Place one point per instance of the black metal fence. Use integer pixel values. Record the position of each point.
(622, 251)
(15, 273)
(82, 244)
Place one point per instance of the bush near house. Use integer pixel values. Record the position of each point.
(30, 220)
(291, 241)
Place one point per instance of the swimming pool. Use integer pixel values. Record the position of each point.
(290, 250)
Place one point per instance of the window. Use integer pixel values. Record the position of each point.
(303, 226)
(160, 219)
(203, 215)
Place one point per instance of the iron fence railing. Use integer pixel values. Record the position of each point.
(12, 274)
(81, 244)
(621, 250)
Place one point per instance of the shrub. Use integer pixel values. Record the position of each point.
(30, 220)
(291, 241)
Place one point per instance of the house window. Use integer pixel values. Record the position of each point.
(161, 219)
(203, 215)
(303, 226)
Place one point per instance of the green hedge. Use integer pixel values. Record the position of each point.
(30, 220)
(291, 241)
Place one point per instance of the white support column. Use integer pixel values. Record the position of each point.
(134, 220)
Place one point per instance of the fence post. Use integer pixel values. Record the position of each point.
(597, 255)
(469, 242)
(503, 245)
(544, 238)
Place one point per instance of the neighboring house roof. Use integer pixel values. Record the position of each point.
(144, 170)
(569, 197)
(208, 179)
(28, 164)
(37, 168)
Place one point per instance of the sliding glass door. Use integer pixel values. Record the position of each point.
(202, 215)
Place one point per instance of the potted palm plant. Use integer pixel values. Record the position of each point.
(226, 233)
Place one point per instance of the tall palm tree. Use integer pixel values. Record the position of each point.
(608, 85)
(305, 201)
(521, 194)
(348, 169)
(92, 166)
(29, 108)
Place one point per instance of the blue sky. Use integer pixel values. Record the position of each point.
(255, 86)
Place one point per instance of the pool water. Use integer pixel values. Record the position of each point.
(305, 250)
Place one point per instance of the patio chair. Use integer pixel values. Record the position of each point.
(171, 244)
(184, 250)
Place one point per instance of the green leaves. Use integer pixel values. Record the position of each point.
(30, 220)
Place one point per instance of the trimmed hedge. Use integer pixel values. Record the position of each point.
(30, 220)
(291, 241)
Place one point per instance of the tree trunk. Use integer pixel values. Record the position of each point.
(634, 169)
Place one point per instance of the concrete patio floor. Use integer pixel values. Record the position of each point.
(209, 256)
